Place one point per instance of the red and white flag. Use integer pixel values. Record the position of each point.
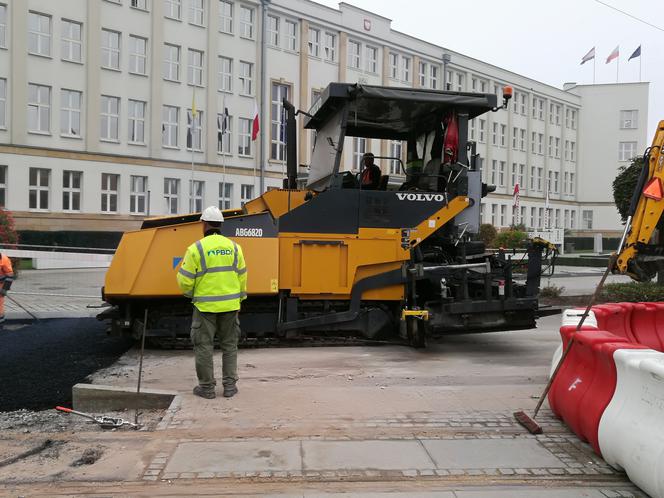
(515, 204)
(589, 56)
(255, 126)
(614, 54)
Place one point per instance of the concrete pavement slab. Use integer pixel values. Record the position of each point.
(240, 456)
(493, 492)
(375, 455)
(490, 453)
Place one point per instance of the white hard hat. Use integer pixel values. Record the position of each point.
(212, 213)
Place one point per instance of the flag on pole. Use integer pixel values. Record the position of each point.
(547, 206)
(589, 56)
(515, 203)
(223, 128)
(255, 127)
(613, 55)
(190, 128)
(637, 53)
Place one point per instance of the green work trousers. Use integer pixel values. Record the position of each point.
(204, 328)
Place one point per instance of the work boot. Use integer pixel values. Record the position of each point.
(230, 390)
(206, 392)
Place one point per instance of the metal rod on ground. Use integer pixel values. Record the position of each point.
(22, 307)
(140, 362)
(521, 416)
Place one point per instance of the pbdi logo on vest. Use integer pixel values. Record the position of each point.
(403, 196)
(220, 252)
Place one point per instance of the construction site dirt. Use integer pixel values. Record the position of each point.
(363, 421)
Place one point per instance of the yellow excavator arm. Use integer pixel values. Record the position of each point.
(638, 255)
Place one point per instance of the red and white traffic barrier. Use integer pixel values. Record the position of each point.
(610, 389)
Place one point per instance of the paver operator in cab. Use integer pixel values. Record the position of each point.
(214, 275)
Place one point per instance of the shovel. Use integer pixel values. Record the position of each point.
(104, 422)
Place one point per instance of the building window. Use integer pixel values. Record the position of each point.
(3, 25)
(493, 173)
(246, 22)
(110, 49)
(39, 108)
(71, 190)
(273, 31)
(513, 176)
(587, 220)
(556, 149)
(573, 119)
(225, 195)
(550, 146)
(372, 56)
(3, 186)
(171, 194)
(196, 12)
(109, 192)
(515, 138)
(501, 174)
(533, 178)
(169, 126)
(353, 54)
(433, 78)
(226, 17)
(482, 127)
(395, 151)
(540, 178)
(246, 193)
(629, 120)
(533, 217)
(137, 54)
(522, 139)
(494, 134)
(140, 4)
(359, 148)
(194, 131)
(291, 35)
(394, 65)
(246, 78)
(314, 42)
(196, 193)
(171, 67)
(71, 46)
(173, 9)
(494, 214)
(278, 122)
(572, 151)
(330, 47)
(138, 193)
(136, 121)
(503, 135)
(39, 34)
(571, 183)
(40, 183)
(471, 129)
(405, 69)
(503, 215)
(70, 113)
(244, 137)
(540, 143)
(556, 181)
(626, 151)
(110, 116)
(224, 130)
(225, 74)
(522, 175)
(195, 67)
(423, 74)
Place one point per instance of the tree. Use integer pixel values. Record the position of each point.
(624, 185)
(8, 234)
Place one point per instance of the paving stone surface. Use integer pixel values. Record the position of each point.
(241, 456)
(479, 453)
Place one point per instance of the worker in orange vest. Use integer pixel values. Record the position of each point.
(6, 279)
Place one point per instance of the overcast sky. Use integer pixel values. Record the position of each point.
(542, 39)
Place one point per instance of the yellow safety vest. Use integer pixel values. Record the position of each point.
(214, 274)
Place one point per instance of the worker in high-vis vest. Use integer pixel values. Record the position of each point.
(213, 274)
(6, 280)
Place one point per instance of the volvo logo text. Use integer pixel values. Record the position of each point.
(404, 196)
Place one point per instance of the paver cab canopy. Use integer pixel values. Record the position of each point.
(385, 113)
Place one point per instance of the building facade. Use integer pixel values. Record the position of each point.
(97, 130)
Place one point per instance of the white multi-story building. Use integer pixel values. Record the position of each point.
(96, 128)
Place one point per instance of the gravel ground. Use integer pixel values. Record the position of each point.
(40, 362)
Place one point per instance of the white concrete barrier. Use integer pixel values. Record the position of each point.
(45, 260)
(631, 430)
(571, 317)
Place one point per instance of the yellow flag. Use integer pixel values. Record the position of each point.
(193, 105)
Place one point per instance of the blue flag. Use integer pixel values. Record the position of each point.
(637, 53)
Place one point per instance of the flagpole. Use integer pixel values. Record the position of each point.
(193, 120)
(618, 68)
(224, 126)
